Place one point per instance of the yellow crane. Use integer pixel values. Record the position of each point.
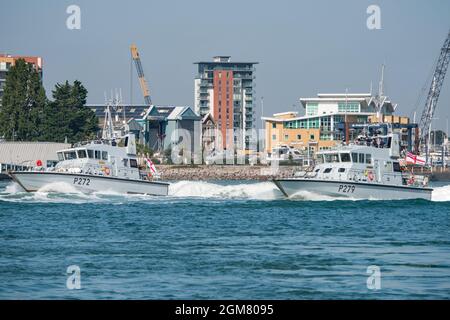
(140, 72)
(159, 143)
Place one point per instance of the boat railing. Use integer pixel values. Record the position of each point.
(358, 175)
(113, 142)
(410, 179)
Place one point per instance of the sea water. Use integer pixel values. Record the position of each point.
(221, 240)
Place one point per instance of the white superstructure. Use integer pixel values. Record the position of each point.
(103, 165)
(369, 168)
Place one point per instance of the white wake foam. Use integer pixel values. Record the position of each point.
(62, 192)
(441, 194)
(258, 191)
(13, 188)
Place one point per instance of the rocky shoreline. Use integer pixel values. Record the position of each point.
(224, 172)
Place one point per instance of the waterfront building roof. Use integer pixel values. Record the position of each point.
(27, 153)
(171, 113)
(367, 101)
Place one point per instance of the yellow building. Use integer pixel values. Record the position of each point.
(278, 134)
(327, 121)
(7, 61)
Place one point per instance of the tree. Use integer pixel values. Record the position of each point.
(67, 117)
(143, 149)
(23, 103)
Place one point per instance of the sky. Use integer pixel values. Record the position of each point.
(303, 47)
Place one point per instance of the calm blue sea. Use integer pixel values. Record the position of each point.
(221, 241)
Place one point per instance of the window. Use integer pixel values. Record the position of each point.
(312, 109)
(286, 137)
(355, 157)
(299, 137)
(313, 123)
(345, 157)
(302, 124)
(133, 163)
(368, 158)
(397, 167)
(82, 154)
(125, 162)
(341, 170)
(51, 164)
(69, 155)
(60, 156)
(104, 155)
(97, 154)
(327, 170)
(90, 154)
(352, 107)
(274, 125)
(361, 158)
(274, 137)
(325, 123)
(331, 157)
(311, 137)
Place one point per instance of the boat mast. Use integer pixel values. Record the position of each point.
(107, 133)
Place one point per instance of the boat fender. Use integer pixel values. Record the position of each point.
(370, 176)
(411, 180)
(107, 172)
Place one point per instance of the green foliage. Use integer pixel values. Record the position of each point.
(67, 117)
(23, 104)
(156, 161)
(143, 149)
(27, 115)
(168, 155)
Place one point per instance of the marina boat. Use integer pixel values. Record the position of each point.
(104, 165)
(369, 168)
(285, 154)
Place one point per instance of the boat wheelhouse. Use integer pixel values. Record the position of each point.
(370, 167)
(100, 165)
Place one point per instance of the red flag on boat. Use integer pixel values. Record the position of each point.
(413, 159)
(151, 165)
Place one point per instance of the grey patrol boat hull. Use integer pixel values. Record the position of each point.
(348, 189)
(32, 181)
